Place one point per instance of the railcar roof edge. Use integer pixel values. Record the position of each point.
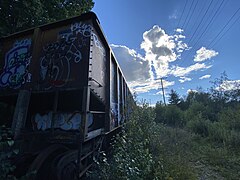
(84, 16)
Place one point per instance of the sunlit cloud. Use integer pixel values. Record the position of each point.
(133, 65)
(162, 49)
(179, 30)
(205, 76)
(203, 54)
(229, 85)
(191, 91)
(184, 79)
(149, 85)
(178, 71)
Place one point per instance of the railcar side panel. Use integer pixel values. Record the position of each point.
(97, 65)
(113, 93)
(64, 56)
(16, 57)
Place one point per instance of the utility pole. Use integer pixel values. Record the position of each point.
(163, 93)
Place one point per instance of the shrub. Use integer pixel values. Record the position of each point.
(231, 117)
(170, 115)
(218, 132)
(131, 157)
(199, 125)
(7, 151)
(195, 109)
(174, 116)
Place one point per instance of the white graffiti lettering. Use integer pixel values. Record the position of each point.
(84, 29)
(64, 121)
(98, 44)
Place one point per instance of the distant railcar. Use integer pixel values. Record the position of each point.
(68, 93)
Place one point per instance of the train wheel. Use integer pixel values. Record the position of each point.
(67, 166)
(41, 166)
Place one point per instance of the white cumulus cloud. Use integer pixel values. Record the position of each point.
(184, 79)
(149, 85)
(191, 90)
(136, 70)
(179, 30)
(203, 54)
(205, 76)
(133, 65)
(229, 85)
(178, 71)
(161, 49)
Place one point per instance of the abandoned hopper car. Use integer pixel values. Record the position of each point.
(68, 93)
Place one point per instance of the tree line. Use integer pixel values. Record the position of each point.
(214, 114)
(18, 15)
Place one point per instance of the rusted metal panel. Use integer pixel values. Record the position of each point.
(51, 56)
(64, 56)
(15, 58)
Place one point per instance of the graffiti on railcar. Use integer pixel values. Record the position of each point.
(55, 64)
(99, 45)
(15, 72)
(84, 29)
(64, 121)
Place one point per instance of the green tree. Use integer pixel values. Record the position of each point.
(174, 98)
(18, 15)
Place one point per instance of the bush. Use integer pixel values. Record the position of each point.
(218, 132)
(199, 125)
(174, 116)
(230, 117)
(7, 151)
(131, 157)
(170, 115)
(194, 110)
(172, 148)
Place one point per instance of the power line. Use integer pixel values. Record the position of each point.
(226, 31)
(208, 25)
(201, 21)
(191, 15)
(209, 45)
(188, 14)
(182, 13)
(203, 17)
(211, 20)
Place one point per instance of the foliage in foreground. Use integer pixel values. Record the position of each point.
(193, 138)
(131, 157)
(6, 153)
(143, 151)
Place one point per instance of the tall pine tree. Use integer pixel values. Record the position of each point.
(173, 98)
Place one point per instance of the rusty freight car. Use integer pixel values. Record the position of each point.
(68, 93)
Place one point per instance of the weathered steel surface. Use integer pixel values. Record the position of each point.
(15, 59)
(71, 61)
(64, 56)
(20, 114)
(48, 57)
(98, 69)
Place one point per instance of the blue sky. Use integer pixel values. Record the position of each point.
(186, 42)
